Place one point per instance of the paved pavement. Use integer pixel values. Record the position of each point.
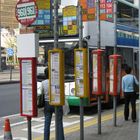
(125, 130)
(9, 76)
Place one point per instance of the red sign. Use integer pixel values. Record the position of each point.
(28, 90)
(26, 12)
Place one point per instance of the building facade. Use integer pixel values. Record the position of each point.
(7, 14)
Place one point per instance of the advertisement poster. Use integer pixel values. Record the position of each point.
(95, 73)
(111, 78)
(79, 71)
(89, 10)
(109, 10)
(70, 20)
(55, 81)
(27, 101)
(44, 19)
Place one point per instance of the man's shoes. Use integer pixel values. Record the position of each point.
(126, 119)
(134, 120)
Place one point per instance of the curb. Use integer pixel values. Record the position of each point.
(9, 82)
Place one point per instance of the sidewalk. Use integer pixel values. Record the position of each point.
(125, 130)
(7, 76)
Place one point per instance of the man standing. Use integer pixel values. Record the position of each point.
(49, 110)
(129, 93)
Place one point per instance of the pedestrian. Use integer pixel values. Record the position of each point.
(129, 93)
(49, 110)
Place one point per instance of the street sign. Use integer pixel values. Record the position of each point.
(26, 12)
(10, 52)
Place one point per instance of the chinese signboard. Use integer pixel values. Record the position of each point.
(70, 20)
(88, 7)
(89, 10)
(43, 21)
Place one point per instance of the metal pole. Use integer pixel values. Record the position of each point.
(56, 46)
(11, 72)
(139, 75)
(80, 26)
(55, 23)
(115, 26)
(98, 22)
(81, 120)
(99, 114)
(114, 110)
(29, 128)
(0, 44)
(81, 46)
(99, 46)
(56, 123)
(115, 51)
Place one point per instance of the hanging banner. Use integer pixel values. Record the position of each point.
(70, 20)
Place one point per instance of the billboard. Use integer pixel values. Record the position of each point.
(44, 20)
(70, 20)
(89, 10)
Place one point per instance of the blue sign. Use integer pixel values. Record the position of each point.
(10, 52)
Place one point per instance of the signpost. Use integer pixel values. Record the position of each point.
(81, 72)
(10, 52)
(26, 12)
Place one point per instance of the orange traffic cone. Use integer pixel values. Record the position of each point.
(7, 130)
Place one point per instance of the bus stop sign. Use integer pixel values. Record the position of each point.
(26, 12)
(10, 51)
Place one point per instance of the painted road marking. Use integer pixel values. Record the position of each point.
(40, 127)
(9, 116)
(76, 127)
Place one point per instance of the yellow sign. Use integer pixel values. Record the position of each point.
(43, 4)
(70, 20)
(56, 77)
(69, 11)
(81, 73)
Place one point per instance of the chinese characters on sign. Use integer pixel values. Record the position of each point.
(89, 10)
(55, 81)
(88, 7)
(70, 20)
(43, 21)
(95, 73)
(79, 71)
(27, 101)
